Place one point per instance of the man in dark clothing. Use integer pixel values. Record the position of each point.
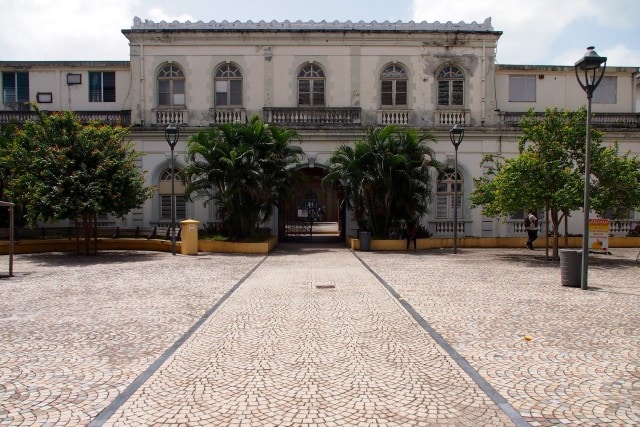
(531, 224)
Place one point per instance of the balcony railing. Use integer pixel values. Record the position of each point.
(621, 227)
(394, 117)
(603, 120)
(444, 228)
(228, 115)
(308, 116)
(121, 118)
(175, 115)
(452, 117)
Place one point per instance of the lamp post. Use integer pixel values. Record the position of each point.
(456, 134)
(589, 74)
(172, 133)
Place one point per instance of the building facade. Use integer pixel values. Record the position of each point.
(331, 81)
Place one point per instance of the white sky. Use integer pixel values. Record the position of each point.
(535, 32)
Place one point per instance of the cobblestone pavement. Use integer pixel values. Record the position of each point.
(312, 337)
(582, 364)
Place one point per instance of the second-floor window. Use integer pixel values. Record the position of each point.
(311, 84)
(393, 87)
(102, 86)
(228, 86)
(171, 84)
(15, 89)
(522, 88)
(450, 86)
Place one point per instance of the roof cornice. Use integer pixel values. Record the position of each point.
(386, 26)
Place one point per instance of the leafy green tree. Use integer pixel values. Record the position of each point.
(246, 168)
(549, 172)
(7, 133)
(386, 177)
(62, 169)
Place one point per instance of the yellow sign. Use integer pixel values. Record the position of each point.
(599, 234)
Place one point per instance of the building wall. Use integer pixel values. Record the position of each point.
(51, 78)
(352, 63)
(557, 86)
(352, 57)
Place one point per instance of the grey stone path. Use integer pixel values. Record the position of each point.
(311, 337)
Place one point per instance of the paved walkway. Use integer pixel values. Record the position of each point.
(318, 336)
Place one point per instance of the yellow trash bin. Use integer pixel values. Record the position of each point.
(189, 237)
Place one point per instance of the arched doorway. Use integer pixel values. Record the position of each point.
(311, 214)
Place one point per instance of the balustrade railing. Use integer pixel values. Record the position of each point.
(621, 227)
(393, 117)
(228, 115)
(303, 116)
(605, 120)
(121, 118)
(444, 228)
(175, 116)
(617, 227)
(451, 117)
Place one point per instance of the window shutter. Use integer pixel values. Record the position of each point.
(442, 210)
(109, 86)
(95, 87)
(8, 88)
(23, 87)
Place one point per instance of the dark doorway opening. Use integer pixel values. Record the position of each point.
(310, 214)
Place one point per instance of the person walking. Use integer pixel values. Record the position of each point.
(531, 225)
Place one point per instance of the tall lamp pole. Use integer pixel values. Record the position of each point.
(589, 72)
(456, 134)
(172, 133)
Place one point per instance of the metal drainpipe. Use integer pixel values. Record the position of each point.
(484, 84)
(635, 103)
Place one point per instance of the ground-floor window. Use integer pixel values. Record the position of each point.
(445, 194)
(164, 189)
(165, 207)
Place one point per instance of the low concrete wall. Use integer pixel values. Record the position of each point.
(485, 242)
(158, 245)
(66, 245)
(237, 247)
(70, 245)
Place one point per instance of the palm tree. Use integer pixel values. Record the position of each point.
(385, 177)
(244, 167)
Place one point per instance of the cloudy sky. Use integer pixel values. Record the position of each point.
(539, 32)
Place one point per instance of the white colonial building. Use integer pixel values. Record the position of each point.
(330, 81)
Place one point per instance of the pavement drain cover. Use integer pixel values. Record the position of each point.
(326, 286)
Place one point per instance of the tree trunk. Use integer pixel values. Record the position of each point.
(77, 237)
(556, 222)
(89, 228)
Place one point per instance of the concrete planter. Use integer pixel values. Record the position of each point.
(238, 247)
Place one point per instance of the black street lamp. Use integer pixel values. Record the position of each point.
(172, 133)
(456, 134)
(589, 72)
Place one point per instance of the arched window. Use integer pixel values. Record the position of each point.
(171, 84)
(393, 86)
(164, 191)
(450, 86)
(311, 84)
(228, 86)
(445, 194)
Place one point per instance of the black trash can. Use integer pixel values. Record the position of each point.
(571, 267)
(365, 240)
